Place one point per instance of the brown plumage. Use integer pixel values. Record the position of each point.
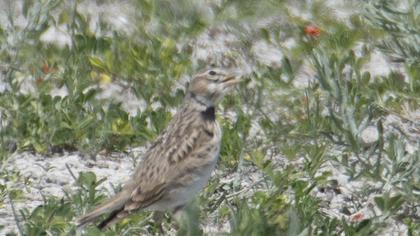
(179, 162)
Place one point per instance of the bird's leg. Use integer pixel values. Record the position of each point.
(177, 214)
(158, 217)
(178, 209)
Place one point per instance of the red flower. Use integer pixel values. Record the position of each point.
(45, 68)
(357, 217)
(312, 30)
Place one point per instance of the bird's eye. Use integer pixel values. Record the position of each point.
(212, 72)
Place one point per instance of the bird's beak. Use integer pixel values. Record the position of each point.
(230, 80)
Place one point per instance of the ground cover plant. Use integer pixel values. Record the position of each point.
(322, 138)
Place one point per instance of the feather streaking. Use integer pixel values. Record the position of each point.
(179, 162)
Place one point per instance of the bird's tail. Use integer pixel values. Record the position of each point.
(115, 203)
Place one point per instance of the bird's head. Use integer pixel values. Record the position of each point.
(208, 88)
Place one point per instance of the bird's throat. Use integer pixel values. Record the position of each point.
(209, 114)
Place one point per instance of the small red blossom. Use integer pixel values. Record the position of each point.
(312, 30)
(357, 217)
(45, 68)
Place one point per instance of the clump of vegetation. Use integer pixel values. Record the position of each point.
(288, 135)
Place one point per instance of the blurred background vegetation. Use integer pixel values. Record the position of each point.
(318, 103)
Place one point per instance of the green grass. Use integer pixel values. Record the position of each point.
(301, 129)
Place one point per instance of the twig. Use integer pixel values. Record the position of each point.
(11, 67)
(218, 202)
(243, 190)
(71, 172)
(389, 111)
(15, 215)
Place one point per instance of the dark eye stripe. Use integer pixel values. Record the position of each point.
(212, 72)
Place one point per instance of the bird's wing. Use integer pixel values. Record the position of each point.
(137, 200)
(143, 198)
(144, 189)
(153, 177)
(157, 170)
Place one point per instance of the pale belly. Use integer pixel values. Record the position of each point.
(200, 182)
(179, 197)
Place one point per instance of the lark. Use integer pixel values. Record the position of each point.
(180, 161)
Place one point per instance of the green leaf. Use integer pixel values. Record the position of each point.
(98, 63)
(26, 6)
(87, 179)
(380, 202)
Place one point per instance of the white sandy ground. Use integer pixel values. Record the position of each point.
(40, 176)
(48, 176)
(45, 176)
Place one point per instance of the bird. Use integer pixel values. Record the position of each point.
(179, 163)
